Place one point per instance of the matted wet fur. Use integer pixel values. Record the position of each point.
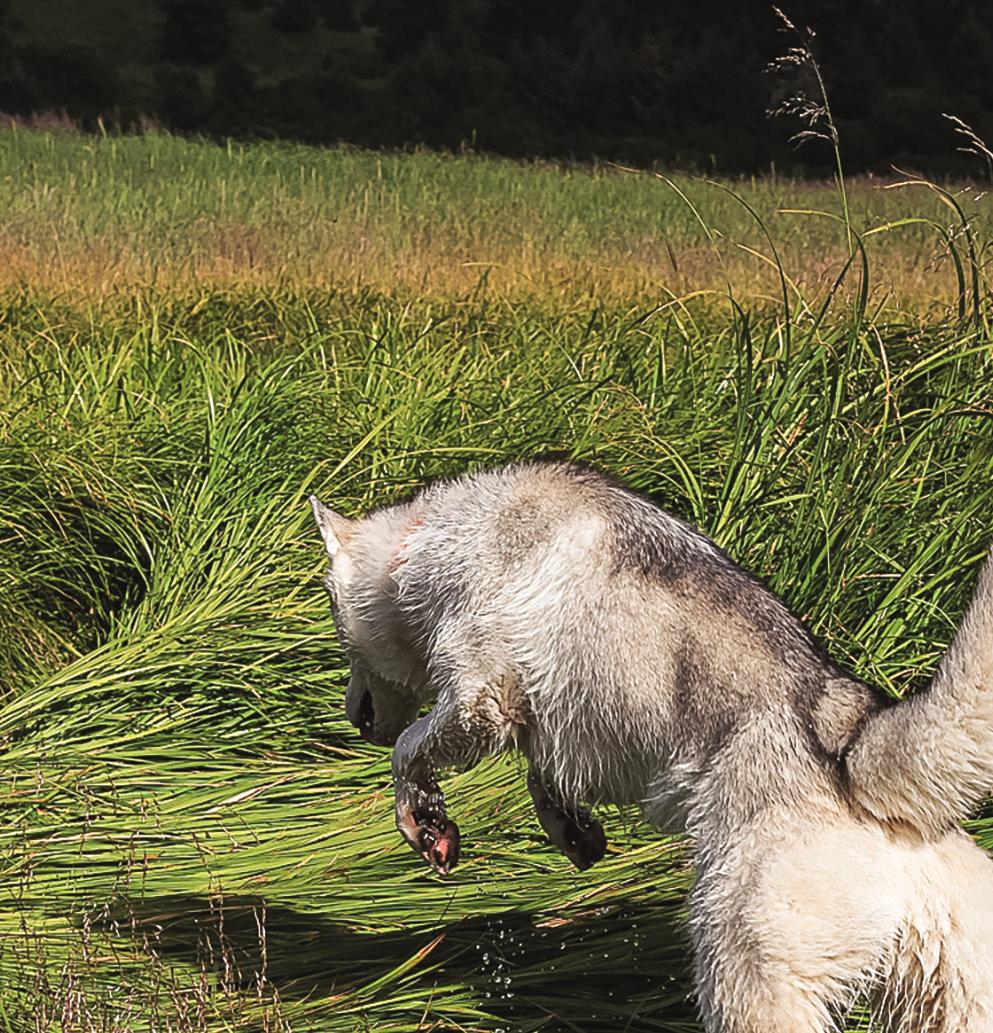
(548, 609)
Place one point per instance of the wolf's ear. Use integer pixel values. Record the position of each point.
(335, 529)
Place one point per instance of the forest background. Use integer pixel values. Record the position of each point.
(680, 83)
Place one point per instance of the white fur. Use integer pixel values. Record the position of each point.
(631, 662)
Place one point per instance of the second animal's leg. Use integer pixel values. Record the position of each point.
(572, 829)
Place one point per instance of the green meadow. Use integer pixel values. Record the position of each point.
(193, 338)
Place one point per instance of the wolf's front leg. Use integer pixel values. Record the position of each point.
(464, 727)
(420, 803)
(572, 829)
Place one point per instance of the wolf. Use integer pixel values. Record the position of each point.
(546, 608)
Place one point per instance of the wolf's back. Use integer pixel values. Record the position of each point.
(929, 760)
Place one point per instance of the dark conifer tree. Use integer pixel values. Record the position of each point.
(294, 16)
(339, 15)
(195, 32)
(74, 78)
(183, 102)
(6, 43)
(404, 25)
(369, 12)
(234, 82)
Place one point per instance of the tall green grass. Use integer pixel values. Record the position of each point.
(193, 837)
(102, 216)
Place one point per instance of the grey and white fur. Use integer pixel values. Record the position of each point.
(548, 609)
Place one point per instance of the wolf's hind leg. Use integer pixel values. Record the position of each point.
(738, 993)
(794, 918)
(467, 724)
(572, 829)
(941, 979)
(781, 1008)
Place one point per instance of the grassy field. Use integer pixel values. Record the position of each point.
(106, 216)
(194, 338)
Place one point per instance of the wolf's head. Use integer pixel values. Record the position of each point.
(388, 677)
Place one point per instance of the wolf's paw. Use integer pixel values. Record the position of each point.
(572, 829)
(434, 836)
(581, 838)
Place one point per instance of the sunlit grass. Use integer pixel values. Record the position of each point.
(98, 216)
(194, 838)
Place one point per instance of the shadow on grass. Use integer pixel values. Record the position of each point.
(620, 969)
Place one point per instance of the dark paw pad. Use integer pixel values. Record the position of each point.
(584, 840)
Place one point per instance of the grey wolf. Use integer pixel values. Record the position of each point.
(547, 609)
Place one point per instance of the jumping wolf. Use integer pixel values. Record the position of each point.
(546, 608)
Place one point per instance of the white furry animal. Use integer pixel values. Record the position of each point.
(551, 610)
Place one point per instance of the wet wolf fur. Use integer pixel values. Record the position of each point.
(548, 609)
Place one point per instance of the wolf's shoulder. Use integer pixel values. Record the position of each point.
(551, 490)
(528, 503)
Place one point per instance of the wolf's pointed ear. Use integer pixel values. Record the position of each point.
(335, 529)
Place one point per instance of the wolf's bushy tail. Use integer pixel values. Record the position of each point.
(929, 759)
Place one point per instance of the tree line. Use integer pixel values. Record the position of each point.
(665, 82)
